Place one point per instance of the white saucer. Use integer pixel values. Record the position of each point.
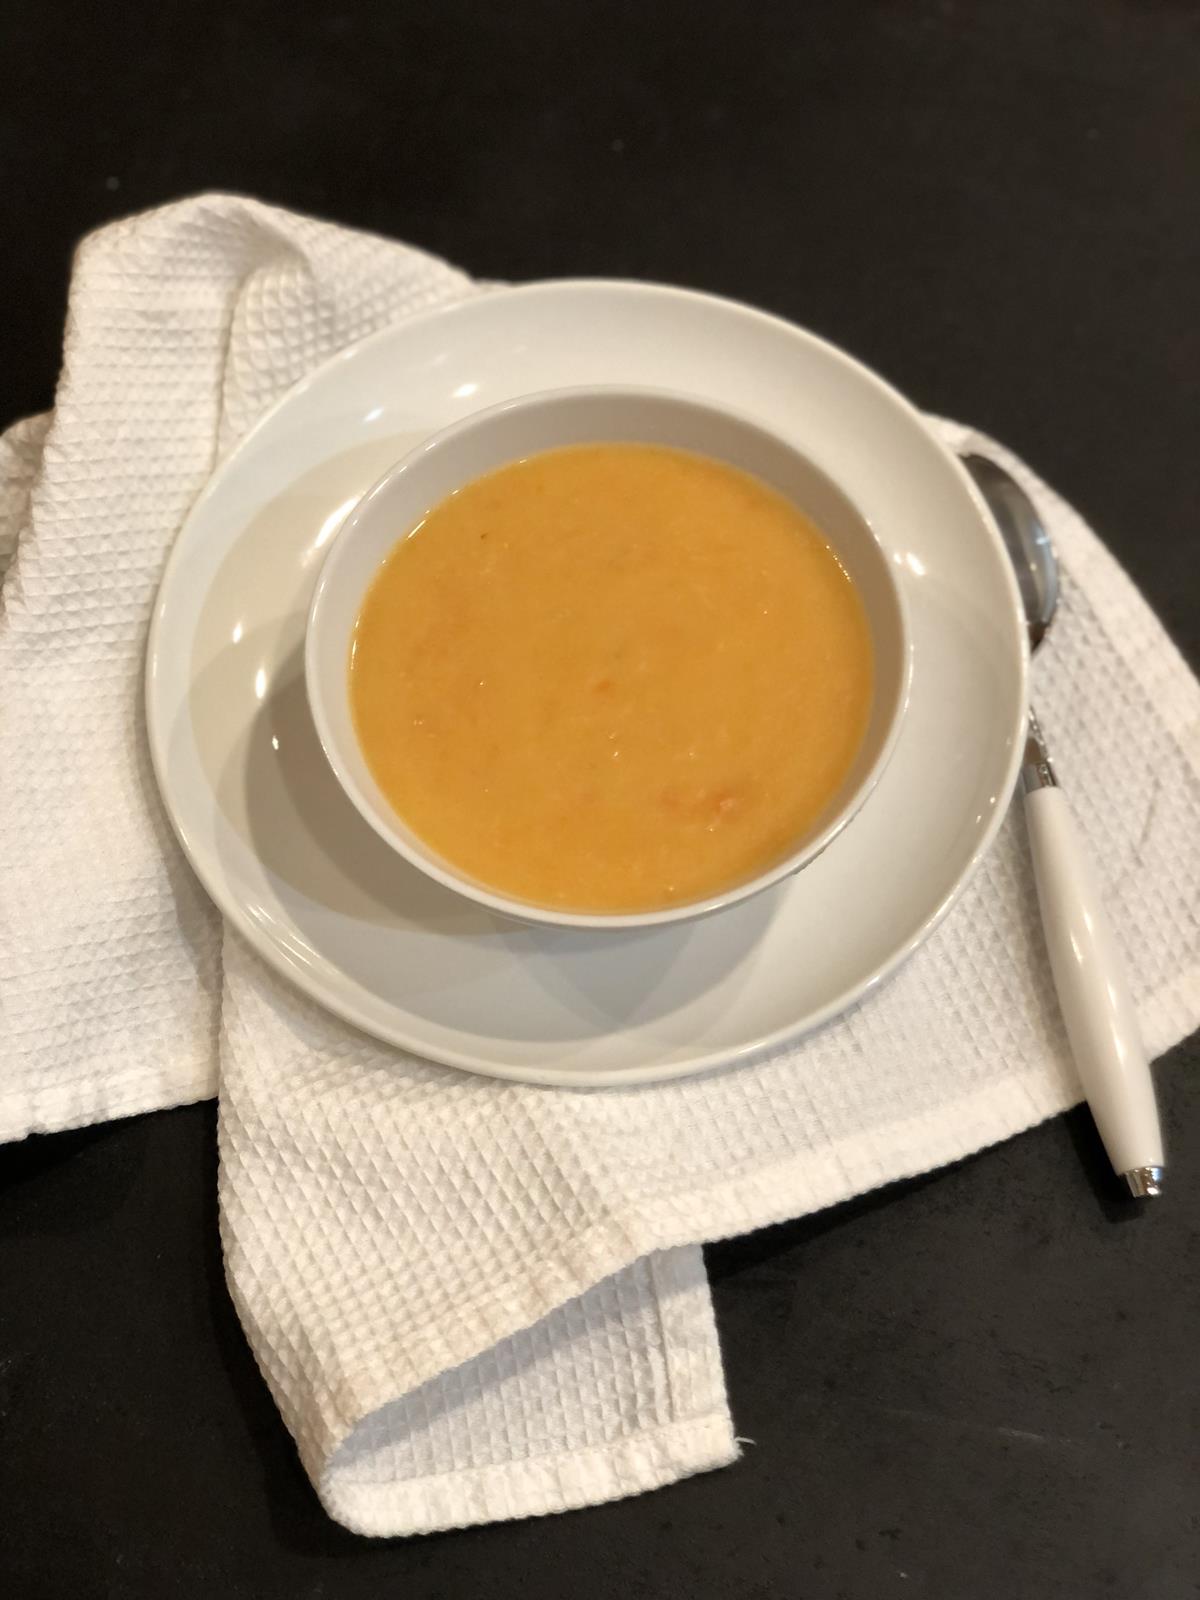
(322, 898)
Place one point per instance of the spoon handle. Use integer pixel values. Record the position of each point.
(1090, 979)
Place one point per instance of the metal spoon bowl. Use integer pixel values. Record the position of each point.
(1026, 540)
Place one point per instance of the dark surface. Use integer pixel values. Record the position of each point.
(981, 1385)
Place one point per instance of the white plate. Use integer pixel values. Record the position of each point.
(296, 869)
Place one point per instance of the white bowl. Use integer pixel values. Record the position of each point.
(522, 427)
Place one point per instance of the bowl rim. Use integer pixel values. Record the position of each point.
(509, 906)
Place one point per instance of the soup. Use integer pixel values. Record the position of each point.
(611, 677)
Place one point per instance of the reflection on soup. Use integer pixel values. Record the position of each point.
(611, 677)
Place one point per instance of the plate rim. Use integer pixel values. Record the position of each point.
(310, 983)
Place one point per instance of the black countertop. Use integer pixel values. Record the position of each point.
(982, 1384)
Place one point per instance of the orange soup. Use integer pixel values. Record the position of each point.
(611, 677)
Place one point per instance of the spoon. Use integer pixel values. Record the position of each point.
(1088, 973)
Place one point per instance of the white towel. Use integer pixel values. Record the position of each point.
(473, 1300)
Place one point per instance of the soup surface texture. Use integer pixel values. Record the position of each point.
(611, 677)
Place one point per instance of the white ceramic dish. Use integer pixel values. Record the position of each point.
(521, 427)
(325, 901)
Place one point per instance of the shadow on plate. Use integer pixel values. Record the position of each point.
(332, 875)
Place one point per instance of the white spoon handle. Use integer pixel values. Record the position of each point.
(1093, 994)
